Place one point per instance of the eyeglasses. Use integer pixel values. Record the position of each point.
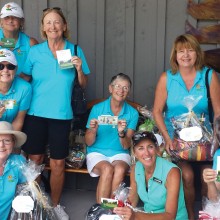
(144, 135)
(8, 66)
(55, 8)
(7, 141)
(119, 87)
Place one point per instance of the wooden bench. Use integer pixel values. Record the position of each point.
(90, 104)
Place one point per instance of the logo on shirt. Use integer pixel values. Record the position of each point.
(11, 178)
(198, 87)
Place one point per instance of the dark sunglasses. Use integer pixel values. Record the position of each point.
(8, 66)
(138, 136)
(55, 8)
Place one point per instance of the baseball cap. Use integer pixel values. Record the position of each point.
(12, 9)
(7, 55)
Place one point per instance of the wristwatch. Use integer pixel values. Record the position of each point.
(121, 134)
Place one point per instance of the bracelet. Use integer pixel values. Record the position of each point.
(121, 134)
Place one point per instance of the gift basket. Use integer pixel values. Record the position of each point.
(30, 203)
(211, 210)
(77, 155)
(192, 139)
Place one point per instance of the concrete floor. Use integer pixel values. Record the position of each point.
(79, 195)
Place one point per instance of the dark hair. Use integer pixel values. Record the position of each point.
(186, 41)
(121, 76)
(141, 135)
(60, 13)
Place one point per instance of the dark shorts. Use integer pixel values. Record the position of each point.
(45, 131)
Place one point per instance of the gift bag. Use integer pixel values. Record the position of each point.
(30, 202)
(192, 139)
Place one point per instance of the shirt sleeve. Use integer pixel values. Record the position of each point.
(217, 153)
(85, 67)
(28, 65)
(26, 98)
(134, 120)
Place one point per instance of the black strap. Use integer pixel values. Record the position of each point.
(75, 53)
(208, 96)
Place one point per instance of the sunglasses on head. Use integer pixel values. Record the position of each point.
(144, 135)
(55, 8)
(8, 66)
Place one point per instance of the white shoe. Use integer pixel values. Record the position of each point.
(60, 213)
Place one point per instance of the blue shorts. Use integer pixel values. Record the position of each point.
(45, 131)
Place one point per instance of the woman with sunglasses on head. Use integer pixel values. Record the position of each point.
(186, 77)
(11, 33)
(108, 140)
(15, 93)
(48, 120)
(156, 181)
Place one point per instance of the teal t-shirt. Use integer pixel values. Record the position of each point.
(107, 141)
(176, 91)
(20, 93)
(51, 85)
(12, 176)
(21, 49)
(155, 198)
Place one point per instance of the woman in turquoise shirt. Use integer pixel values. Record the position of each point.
(156, 181)
(10, 174)
(12, 25)
(186, 77)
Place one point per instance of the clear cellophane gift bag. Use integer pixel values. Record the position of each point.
(30, 202)
(193, 134)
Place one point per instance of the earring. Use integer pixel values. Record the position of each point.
(21, 28)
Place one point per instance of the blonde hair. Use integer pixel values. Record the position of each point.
(186, 41)
(60, 13)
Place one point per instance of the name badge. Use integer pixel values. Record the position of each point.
(157, 180)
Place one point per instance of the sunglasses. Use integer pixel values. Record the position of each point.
(8, 66)
(55, 8)
(138, 136)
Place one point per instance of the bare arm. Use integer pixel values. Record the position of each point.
(159, 104)
(19, 121)
(215, 94)
(209, 176)
(90, 135)
(124, 137)
(33, 41)
(83, 79)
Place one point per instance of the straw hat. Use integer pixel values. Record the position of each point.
(6, 128)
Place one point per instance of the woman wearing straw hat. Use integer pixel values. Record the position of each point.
(10, 174)
(15, 93)
(12, 35)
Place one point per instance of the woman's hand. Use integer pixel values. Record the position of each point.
(93, 124)
(125, 213)
(77, 62)
(2, 110)
(209, 175)
(122, 124)
(169, 145)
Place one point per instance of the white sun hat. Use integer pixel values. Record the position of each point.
(6, 128)
(12, 9)
(7, 55)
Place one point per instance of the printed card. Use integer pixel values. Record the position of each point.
(109, 203)
(8, 104)
(8, 42)
(107, 120)
(64, 59)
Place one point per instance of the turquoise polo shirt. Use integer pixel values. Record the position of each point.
(176, 91)
(11, 177)
(155, 198)
(217, 153)
(107, 141)
(21, 93)
(21, 49)
(52, 86)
